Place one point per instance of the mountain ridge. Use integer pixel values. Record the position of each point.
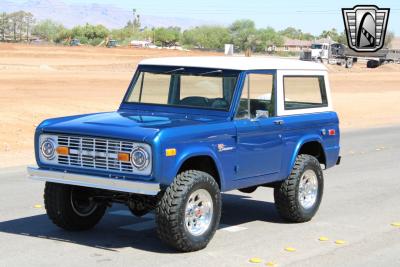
(93, 13)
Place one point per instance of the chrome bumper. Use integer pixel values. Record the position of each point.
(113, 184)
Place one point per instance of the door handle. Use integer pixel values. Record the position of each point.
(279, 122)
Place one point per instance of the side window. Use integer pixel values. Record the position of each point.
(304, 92)
(257, 98)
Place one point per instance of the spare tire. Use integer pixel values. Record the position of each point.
(373, 64)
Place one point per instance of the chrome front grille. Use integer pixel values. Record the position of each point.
(95, 153)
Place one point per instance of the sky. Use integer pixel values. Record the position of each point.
(309, 15)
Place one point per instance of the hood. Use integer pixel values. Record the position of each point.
(135, 125)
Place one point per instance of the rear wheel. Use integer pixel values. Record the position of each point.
(373, 64)
(188, 213)
(72, 207)
(297, 199)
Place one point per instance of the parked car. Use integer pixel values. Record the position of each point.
(75, 42)
(188, 129)
(112, 43)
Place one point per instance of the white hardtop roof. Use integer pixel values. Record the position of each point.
(235, 63)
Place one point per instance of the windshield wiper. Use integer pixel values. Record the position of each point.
(175, 70)
(209, 72)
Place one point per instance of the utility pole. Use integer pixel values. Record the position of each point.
(27, 29)
(134, 19)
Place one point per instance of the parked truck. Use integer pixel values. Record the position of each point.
(340, 54)
(188, 129)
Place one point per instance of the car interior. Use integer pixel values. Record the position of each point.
(222, 103)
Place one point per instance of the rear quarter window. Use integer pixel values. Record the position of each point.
(302, 92)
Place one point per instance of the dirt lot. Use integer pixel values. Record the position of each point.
(41, 82)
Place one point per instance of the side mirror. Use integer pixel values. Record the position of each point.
(262, 114)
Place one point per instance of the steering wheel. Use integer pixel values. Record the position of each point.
(195, 101)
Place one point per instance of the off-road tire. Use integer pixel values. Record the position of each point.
(57, 199)
(286, 192)
(371, 64)
(170, 211)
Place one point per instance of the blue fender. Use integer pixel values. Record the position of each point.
(300, 143)
(171, 170)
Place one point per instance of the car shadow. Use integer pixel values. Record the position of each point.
(107, 235)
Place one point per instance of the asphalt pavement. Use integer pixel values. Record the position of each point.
(361, 201)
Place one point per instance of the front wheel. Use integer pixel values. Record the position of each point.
(297, 199)
(72, 207)
(188, 213)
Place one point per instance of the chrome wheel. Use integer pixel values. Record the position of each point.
(308, 189)
(82, 204)
(198, 212)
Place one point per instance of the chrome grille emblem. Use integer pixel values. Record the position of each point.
(365, 27)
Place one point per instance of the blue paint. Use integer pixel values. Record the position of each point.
(253, 153)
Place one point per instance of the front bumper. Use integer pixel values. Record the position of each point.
(113, 184)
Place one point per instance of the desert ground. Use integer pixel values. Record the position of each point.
(38, 82)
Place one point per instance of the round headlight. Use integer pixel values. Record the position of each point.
(48, 148)
(139, 158)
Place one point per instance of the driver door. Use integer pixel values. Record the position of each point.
(259, 133)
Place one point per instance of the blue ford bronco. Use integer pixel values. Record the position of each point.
(188, 129)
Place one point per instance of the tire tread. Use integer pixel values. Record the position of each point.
(285, 193)
(57, 205)
(169, 225)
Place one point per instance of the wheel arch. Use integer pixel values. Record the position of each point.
(200, 159)
(311, 146)
(203, 163)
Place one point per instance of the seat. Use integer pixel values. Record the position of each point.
(196, 101)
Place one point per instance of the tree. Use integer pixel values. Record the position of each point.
(13, 25)
(17, 24)
(267, 37)
(28, 22)
(342, 38)
(243, 33)
(136, 23)
(90, 34)
(63, 35)
(209, 37)
(388, 39)
(293, 33)
(307, 36)
(4, 25)
(48, 29)
(167, 36)
(20, 24)
(332, 34)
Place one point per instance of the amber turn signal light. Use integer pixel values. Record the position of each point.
(123, 157)
(62, 150)
(170, 152)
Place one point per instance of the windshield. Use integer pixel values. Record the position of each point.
(196, 88)
(316, 46)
